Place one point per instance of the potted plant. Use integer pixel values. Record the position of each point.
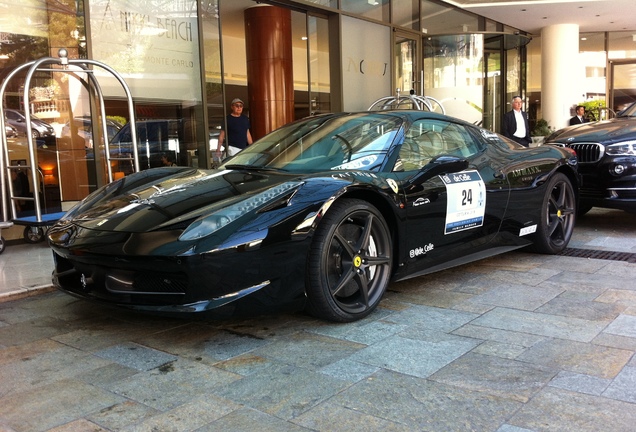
(541, 130)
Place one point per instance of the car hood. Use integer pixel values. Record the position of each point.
(165, 199)
(603, 132)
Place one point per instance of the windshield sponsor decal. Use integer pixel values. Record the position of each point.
(466, 204)
(528, 230)
(421, 250)
(361, 163)
(354, 174)
(488, 134)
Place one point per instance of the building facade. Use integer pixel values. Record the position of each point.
(184, 61)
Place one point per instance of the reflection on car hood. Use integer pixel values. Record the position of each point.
(173, 201)
(604, 132)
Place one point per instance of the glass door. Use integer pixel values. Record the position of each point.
(406, 75)
(318, 60)
(492, 91)
(621, 84)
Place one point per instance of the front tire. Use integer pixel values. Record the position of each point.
(349, 263)
(558, 216)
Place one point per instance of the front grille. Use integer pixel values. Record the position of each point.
(588, 152)
(157, 283)
(141, 281)
(100, 280)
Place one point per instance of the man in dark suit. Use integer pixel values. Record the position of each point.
(515, 123)
(579, 117)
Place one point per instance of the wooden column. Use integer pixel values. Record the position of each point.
(270, 78)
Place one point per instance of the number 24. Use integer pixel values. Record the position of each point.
(467, 197)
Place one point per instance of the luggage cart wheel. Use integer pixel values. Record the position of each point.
(33, 234)
(1, 244)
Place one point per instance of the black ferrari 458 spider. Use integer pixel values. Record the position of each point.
(321, 214)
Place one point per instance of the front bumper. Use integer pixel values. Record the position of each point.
(267, 277)
(610, 183)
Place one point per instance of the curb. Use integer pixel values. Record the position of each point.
(21, 293)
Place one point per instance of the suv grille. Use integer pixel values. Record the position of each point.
(588, 152)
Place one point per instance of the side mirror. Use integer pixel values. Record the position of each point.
(439, 165)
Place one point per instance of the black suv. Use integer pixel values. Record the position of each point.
(606, 151)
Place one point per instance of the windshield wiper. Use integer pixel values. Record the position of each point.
(252, 167)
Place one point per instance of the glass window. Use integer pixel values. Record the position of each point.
(428, 138)
(328, 3)
(440, 19)
(213, 81)
(406, 13)
(320, 82)
(300, 42)
(491, 26)
(374, 9)
(621, 45)
(453, 74)
(366, 63)
(30, 31)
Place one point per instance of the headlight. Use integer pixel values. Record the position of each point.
(207, 225)
(627, 148)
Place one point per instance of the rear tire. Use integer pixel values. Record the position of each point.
(349, 262)
(558, 216)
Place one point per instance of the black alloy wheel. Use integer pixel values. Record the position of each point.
(558, 216)
(349, 263)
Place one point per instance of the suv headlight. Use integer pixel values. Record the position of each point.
(627, 148)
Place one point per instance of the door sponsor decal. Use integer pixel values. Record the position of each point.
(527, 230)
(421, 250)
(466, 204)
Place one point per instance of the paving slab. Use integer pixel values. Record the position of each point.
(574, 411)
(515, 343)
(425, 405)
(541, 324)
(574, 356)
(506, 378)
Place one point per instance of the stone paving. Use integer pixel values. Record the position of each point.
(519, 342)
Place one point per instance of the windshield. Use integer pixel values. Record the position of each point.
(630, 111)
(331, 142)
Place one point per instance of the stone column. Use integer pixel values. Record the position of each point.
(562, 75)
